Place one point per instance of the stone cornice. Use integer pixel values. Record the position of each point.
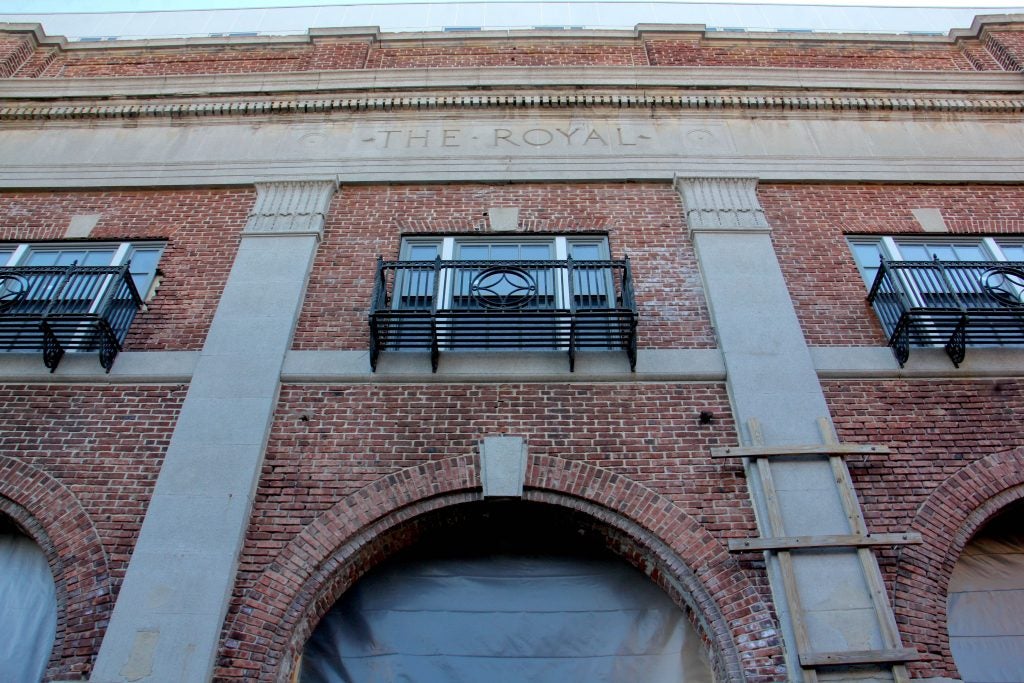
(481, 88)
(533, 78)
(264, 107)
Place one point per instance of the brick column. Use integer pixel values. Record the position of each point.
(771, 378)
(167, 619)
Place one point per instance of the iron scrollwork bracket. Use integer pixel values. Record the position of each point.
(1005, 284)
(52, 350)
(956, 347)
(900, 343)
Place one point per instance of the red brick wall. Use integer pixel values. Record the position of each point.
(510, 52)
(697, 51)
(810, 222)
(201, 228)
(935, 429)
(14, 51)
(643, 221)
(1002, 49)
(329, 442)
(1007, 48)
(105, 444)
(198, 59)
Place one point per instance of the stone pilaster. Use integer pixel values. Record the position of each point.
(167, 620)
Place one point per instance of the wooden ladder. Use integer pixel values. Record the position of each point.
(782, 546)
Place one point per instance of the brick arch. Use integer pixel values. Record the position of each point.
(279, 612)
(947, 520)
(54, 518)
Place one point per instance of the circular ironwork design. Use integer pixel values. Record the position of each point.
(13, 289)
(503, 288)
(1004, 284)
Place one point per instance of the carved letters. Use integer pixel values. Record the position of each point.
(510, 138)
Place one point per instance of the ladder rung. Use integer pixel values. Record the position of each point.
(742, 545)
(791, 451)
(891, 655)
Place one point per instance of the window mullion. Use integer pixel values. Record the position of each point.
(19, 255)
(994, 249)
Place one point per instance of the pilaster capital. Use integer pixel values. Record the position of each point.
(721, 204)
(290, 207)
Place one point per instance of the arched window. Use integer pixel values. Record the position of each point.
(986, 601)
(503, 603)
(28, 606)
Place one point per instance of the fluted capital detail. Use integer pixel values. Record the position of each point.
(721, 204)
(290, 206)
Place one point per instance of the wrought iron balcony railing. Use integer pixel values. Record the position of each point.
(529, 305)
(60, 308)
(950, 303)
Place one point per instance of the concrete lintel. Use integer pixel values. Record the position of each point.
(866, 362)
(399, 367)
(131, 367)
(382, 171)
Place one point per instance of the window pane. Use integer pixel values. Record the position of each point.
(143, 267)
(915, 252)
(970, 252)
(1013, 252)
(535, 252)
(5, 256)
(585, 252)
(422, 252)
(65, 257)
(868, 256)
(505, 252)
(473, 252)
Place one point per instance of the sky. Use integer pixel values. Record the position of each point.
(36, 6)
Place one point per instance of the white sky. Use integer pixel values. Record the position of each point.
(37, 6)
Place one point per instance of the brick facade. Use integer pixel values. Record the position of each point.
(200, 227)
(357, 466)
(641, 221)
(811, 223)
(78, 466)
(1001, 50)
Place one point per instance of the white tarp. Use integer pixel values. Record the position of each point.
(505, 619)
(28, 609)
(986, 604)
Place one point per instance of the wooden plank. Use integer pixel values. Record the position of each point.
(737, 545)
(785, 559)
(868, 562)
(850, 657)
(797, 451)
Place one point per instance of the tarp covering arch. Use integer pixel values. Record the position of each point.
(28, 606)
(986, 601)
(505, 602)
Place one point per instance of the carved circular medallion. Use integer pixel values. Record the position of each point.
(1004, 284)
(13, 288)
(503, 288)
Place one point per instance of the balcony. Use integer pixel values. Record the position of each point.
(954, 304)
(55, 309)
(565, 306)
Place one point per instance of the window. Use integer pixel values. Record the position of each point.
(953, 292)
(77, 296)
(516, 292)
